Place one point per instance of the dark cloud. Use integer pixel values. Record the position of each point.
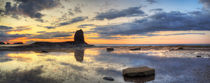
(150, 34)
(29, 8)
(70, 12)
(49, 35)
(157, 10)
(85, 25)
(151, 1)
(5, 28)
(147, 35)
(4, 36)
(112, 14)
(74, 20)
(184, 34)
(21, 28)
(162, 21)
(77, 9)
(71, 21)
(50, 27)
(206, 3)
(105, 37)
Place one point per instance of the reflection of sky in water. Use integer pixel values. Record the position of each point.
(92, 64)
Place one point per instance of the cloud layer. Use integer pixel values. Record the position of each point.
(4, 36)
(112, 14)
(74, 20)
(49, 35)
(29, 8)
(206, 3)
(162, 21)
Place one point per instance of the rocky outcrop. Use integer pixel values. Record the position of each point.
(18, 43)
(2, 43)
(79, 37)
(135, 49)
(109, 49)
(108, 78)
(139, 72)
(79, 41)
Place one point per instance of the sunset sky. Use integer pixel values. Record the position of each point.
(106, 21)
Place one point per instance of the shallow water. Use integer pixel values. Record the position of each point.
(90, 65)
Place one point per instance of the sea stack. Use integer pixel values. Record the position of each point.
(79, 37)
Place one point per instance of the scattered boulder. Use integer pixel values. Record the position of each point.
(198, 56)
(2, 43)
(135, 49)
(139, 72)
(108, 78)
(109, 49)
(43, 51)
(180, 48)
(176, 48)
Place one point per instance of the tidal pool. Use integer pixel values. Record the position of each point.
(90, 65)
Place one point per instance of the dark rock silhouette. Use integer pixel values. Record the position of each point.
(52, 44)
(109, 49)
(139, 72)
(135, 49)
(180, 48)
(18, 43)
(79, 37)
(108, 78)
(39, 46)
(78, 41)
(43, 51)
(2, 43)
(198, 56)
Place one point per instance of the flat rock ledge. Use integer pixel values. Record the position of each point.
(139, 72)
(109, 49)
(108, 78)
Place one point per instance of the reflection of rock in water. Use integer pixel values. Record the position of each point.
(79, 54)
(31, 76)
(5, 59)
(139, 79)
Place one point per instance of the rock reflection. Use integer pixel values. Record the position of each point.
(79, 54)
(139, 79)
(25, 56)
(5, 59)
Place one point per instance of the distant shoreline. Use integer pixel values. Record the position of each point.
(65, 48)
(152, 44)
